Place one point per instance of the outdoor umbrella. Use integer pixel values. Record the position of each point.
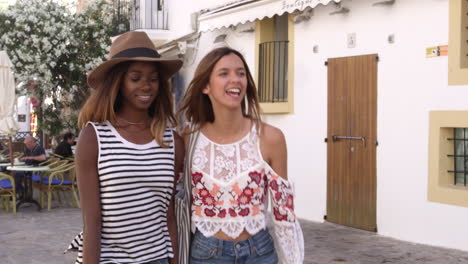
(8, 124)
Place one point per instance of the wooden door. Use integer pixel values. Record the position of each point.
(352, 141)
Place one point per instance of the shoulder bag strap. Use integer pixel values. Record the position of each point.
(188, 165)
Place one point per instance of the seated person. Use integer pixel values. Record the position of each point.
(33, 155)
(64, 149)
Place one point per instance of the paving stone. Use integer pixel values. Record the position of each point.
(34, 237)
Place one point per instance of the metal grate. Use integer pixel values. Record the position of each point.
(17, 137)
(273, 72)
(141, 14)
(460, 156)
(123, 13)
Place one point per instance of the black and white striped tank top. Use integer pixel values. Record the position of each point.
(136, 185)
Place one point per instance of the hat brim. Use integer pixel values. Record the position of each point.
(167, 68)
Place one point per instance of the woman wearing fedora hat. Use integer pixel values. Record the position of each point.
(127, 156)
(237, 162)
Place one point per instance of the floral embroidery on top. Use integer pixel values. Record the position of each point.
(283, 199)
(230, 185)
(238, 201)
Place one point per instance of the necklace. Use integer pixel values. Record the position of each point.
(131, 123)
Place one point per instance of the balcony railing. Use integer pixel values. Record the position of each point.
(141, 14)
(273, 72)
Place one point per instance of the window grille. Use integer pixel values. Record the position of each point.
(17, 137)
(142, 14)
(122, 14)
(273, 72)
(460, 156)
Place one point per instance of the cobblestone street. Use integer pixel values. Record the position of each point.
(41, 237)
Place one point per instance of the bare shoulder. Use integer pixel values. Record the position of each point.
(87, 143)
(87, 133)
(271, 135)
(273, 149)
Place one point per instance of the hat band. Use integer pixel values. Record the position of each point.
(137, 52)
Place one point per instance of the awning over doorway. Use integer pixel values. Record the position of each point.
(244, 11)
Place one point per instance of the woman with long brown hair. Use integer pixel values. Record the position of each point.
(127, 158)
(237, 160)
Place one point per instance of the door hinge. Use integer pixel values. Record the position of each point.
(325, 217)
(377, 58)
(325, 140)
(326, 63)
(376, 142)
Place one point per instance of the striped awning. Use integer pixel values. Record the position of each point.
(243, 11)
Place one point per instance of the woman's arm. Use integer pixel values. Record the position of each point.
(171, 220)
(88, 186)
(286, 230)
(274, 150)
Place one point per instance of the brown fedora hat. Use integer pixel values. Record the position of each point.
(132, 46)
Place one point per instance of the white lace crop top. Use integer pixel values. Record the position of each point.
(230, 185)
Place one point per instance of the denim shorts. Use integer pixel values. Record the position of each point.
(159, 261)
(258, 249)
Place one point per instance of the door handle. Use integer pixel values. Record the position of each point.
(363, 139)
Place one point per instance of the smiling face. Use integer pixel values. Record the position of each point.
(228, 83)
(140, 85)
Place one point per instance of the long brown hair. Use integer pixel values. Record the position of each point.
(106, 100)
(196, 106)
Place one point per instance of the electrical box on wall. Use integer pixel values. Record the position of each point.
(437, 51)
(351, 40)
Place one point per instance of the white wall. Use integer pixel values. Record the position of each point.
(409, 86)
(180, 11)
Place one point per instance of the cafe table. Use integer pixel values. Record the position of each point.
(27, 188)
(5, 164)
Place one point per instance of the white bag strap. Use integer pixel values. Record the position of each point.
(193, 137)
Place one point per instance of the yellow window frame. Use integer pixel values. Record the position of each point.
(441, 186)
(458, 48)
(265, 32)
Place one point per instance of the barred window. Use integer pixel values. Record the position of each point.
(141, 14)
(460, 156)
(273, 64)
(273, 70)
(448, 157)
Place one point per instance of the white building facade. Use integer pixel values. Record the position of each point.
(418, 103)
